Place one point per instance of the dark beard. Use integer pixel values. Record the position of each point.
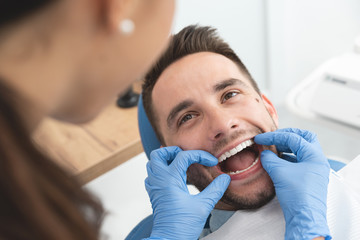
(243, 203)
(196, 178)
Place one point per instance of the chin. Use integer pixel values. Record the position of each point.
(253, 195)
(234, 202)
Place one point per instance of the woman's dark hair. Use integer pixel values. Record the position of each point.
(38, 199)
(11, 11)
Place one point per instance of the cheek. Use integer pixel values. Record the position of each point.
(259, 116)
(191, 139)
(187, 141)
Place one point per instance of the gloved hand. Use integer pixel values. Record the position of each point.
(177, 213)
(301, 187)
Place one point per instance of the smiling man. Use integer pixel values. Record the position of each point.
(201, 96)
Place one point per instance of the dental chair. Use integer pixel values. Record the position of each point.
(150, 143)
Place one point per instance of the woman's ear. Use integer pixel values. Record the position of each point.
(112, 12)
(271, 109)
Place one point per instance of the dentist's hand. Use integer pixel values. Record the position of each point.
(177, 213)
(301, 187)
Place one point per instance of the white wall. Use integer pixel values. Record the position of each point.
(280, 41)
(240, 23)
(303, 34)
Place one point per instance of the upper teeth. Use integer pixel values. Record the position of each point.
(235, 150)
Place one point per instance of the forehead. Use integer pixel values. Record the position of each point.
(195, 73)
(204, 67)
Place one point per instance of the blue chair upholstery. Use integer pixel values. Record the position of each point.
(336, 165)
(142, 230)
(150, 142)
(147, 134)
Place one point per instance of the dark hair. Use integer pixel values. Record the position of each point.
(38, 199)
(11, 11)
(191, 39)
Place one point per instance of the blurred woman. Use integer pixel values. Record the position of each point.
(65, 59)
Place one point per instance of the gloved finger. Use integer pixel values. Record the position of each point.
(148, 169)
(185, 158)
(147, 185)
(162, 157)
(157, 176)
(152, 191)
(286, 142)
(307, 135)
(289, 157)
(266, 138)
(150, 187)
(214, 192)
(271, 163)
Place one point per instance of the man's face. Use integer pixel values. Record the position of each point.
(204, 102)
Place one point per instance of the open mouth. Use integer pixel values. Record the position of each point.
(240, 159)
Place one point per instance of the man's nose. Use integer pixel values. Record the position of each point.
(221, 124)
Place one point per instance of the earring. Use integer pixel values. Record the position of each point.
(127, 27)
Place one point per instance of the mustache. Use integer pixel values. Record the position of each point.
(235, 135)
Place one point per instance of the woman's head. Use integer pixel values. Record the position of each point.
(116, 59)
(70, 57)
(65, 58)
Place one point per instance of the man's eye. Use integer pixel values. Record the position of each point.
(229, 95)
(186, 118)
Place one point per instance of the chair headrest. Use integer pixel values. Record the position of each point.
(148, 137)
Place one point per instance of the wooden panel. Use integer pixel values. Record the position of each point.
(115, 127)
(70, 145)
(91, 150)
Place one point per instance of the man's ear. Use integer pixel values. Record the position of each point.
(271, 109)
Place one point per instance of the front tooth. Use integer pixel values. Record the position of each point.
(239, 148)
(233, 151)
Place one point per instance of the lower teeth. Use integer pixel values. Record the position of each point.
(244, 170)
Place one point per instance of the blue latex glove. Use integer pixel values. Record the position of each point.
(177, 213)
(301, 187)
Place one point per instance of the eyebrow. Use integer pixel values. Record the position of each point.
(178, 108)
(228, 82)
(188, 103)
